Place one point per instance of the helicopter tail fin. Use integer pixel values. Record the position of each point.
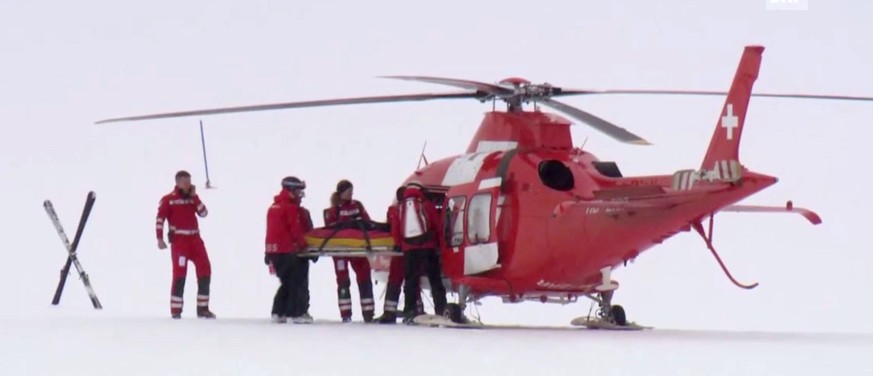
(723, 152)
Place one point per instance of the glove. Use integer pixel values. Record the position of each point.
(266, 259)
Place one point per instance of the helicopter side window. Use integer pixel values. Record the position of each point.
(479, 218)
(455, 220)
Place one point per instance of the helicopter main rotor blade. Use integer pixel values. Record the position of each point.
(280, 106)
(463, 84)
(604, 126)
(707, 92)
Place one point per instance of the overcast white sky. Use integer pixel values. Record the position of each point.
(65, 65)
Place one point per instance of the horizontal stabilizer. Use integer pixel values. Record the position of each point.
(811, 216)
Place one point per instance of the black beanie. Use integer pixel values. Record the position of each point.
(343, 185)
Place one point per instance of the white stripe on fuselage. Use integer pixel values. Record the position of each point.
(465, 168)
(486, 146)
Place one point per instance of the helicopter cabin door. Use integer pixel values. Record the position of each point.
(468, 228)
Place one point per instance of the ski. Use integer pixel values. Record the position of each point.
(72, 258)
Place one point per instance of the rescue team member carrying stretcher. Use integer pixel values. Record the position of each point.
(179, 208)
(348, 213)
(420, 229)
(396, 270)
(287, 222)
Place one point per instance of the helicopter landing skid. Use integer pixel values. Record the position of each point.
(593, 323)
(608, 316)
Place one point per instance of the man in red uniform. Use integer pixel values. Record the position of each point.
(420, 229)
(395, 269)
(286, 225)
(179, 208)
(346, 212)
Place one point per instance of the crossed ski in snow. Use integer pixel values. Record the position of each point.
(72, 257)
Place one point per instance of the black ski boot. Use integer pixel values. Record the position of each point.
(387, 318)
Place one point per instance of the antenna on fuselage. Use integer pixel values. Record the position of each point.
(422, 157)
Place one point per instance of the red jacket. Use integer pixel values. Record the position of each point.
(415, 209)
(181, 212)
(393, 220)
(306, 220)
(346, 212)
(286, 225)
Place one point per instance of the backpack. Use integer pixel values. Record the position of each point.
(416, 229)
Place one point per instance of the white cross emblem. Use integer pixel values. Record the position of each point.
(729, 121)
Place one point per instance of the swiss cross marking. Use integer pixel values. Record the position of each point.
(729, 121)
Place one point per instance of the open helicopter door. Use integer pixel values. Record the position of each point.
(469, 219)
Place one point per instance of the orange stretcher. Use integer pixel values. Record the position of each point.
(352, 242)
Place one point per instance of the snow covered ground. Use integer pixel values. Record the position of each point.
(87, 343)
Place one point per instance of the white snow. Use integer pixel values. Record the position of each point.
(86, 343)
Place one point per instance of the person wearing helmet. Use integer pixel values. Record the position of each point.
(286, 226)
(347, 212)
(180, 208)
(420, 229)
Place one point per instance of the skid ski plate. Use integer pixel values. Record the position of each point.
(440, 321)
(605, 325)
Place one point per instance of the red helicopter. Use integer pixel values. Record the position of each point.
(528, 216)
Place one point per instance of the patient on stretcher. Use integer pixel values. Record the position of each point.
(361, 237)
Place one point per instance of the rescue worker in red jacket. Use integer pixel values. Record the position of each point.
(396, 270)
(180, 209)
(347, 212)
(420, 229)
(286, 226)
